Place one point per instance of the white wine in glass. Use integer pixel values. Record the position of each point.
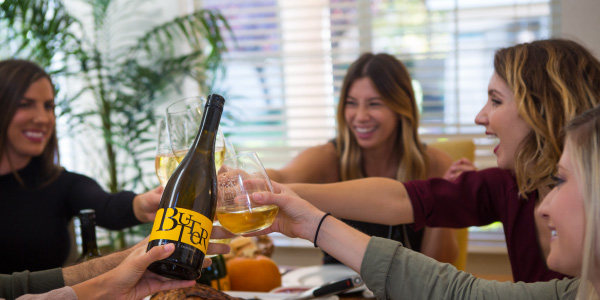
(166, 164)
(219, 156)
(240, 177)
(242, 220)
(165, 161)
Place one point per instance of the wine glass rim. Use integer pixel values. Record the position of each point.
(176, 107)
(260, 164)
(247, 153)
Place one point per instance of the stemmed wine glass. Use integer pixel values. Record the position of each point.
(239, 177)
(183, 120)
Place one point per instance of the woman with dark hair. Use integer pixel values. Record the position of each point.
(39, 197)
(377, 136)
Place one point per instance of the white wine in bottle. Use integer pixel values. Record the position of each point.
(188, 204)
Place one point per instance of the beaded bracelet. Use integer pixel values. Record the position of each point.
(319, 227)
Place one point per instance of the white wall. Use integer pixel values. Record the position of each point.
(580, 21)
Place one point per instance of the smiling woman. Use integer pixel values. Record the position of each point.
(28, 119)
(39, 197)
(502, 109)
(377, 136)
(571, 210)
(32, 125)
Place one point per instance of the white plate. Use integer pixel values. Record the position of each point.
(262, 296)
(268, 296)
(318, 275)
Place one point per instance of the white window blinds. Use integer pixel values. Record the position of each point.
(285, 69)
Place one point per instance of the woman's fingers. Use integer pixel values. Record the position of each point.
(218, 248)
(156, 253)
(207, 262)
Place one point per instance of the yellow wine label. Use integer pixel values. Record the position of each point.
(182, 225)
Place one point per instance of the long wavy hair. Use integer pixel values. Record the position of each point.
(393, 83)
(553, 81)
(583, 140)
(15, 78)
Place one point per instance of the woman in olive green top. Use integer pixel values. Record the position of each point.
(571, 210)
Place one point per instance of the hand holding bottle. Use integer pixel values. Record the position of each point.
(130, 280)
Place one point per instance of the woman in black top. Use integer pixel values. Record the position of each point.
(377, 136)
(38, 197)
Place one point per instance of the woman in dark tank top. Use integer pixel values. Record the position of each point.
(377, 136)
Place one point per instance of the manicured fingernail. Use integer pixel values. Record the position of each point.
(169, 247)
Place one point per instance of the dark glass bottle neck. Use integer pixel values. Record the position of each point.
(88, 239)
(209, 124)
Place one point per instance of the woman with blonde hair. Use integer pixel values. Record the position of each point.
(581, 152)
(377, 136)
(571, 211)
(536, 88)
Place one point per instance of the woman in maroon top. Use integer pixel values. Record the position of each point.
(536, 88)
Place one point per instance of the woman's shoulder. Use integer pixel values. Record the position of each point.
(316, 164)
(325, 151)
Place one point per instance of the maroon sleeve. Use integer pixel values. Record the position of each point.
(476, 198)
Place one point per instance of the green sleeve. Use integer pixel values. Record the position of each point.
(20, 283)
(394, 272)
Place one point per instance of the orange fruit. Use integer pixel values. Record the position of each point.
(256, 274)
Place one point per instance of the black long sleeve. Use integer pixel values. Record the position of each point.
(34, 221)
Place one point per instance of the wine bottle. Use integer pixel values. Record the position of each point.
(216, 274)
(89, 247)
(189, 201)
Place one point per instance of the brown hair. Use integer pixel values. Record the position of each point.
(15, 78)
(393, 83)
(553, 81)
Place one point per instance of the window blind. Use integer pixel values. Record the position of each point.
(288, 59)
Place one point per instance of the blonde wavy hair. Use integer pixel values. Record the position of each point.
(553, 81)
(583, 140)
(393, 83)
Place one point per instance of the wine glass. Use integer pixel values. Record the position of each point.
(183, 121)
(239, 177)
(164, 162)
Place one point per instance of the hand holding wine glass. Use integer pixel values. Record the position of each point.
(240, 177)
